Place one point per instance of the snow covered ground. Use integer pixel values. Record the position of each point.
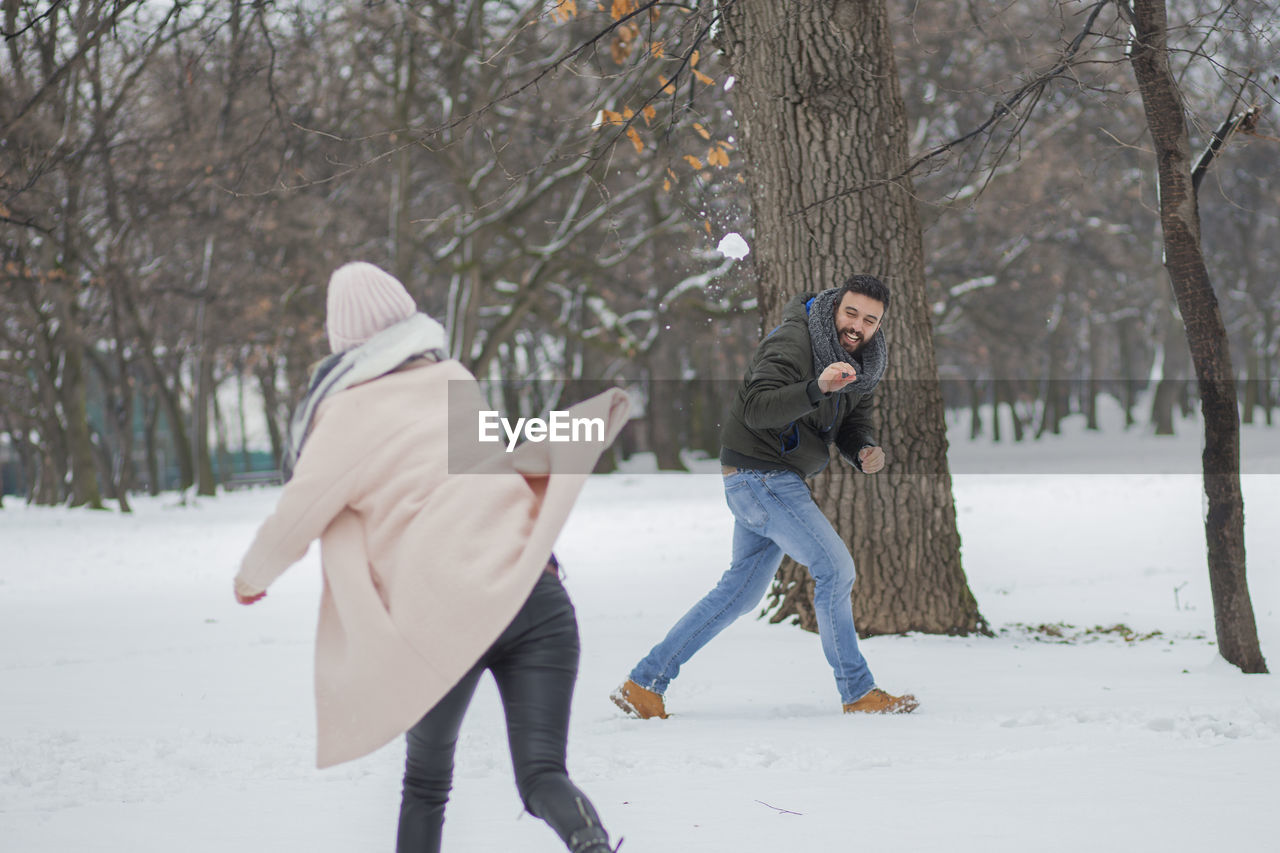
(142, 710)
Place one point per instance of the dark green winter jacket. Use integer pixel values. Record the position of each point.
(779, 418)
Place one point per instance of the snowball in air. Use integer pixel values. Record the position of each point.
(733, 246)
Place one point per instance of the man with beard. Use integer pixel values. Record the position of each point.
(809, 384)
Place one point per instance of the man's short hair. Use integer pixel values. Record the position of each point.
(867, 285)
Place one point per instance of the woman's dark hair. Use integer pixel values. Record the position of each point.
(867, 285)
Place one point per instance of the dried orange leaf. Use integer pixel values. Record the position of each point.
(693, 161)
(702, 131)
(619, 50)
(706, 223)
(650, 112)
(655, 48)
(564, 10)
(666, 185)
(635, 139)
(702, 78)
(628, 113)
(693, 59)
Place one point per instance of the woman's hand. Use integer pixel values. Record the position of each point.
(247, 594)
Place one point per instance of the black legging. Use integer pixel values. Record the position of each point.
(535, 662)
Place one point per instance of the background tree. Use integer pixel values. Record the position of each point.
(1206, 333)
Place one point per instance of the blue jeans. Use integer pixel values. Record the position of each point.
(773, 514)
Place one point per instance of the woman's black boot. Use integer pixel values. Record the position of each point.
(590, 839)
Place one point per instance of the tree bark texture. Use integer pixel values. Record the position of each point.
(53, 447)
(820, 112)
(69, 339)
(1206, 336)
(72, 394)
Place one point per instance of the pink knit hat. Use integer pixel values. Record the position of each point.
(363, 300)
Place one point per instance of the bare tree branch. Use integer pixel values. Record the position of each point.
(1233, 122)
(63, 70)
(53, 7)
(1033, 89)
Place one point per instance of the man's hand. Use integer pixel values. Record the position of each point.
(248, 595)
(836, 376)
(871, 458)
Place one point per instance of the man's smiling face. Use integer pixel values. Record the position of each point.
(857, 319)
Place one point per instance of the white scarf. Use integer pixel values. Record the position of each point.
(384, 352)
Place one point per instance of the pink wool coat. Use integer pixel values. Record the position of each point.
(423, 566)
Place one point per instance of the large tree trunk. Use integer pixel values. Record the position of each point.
(820, 111)
(72, 394)
(53, 447)
(69, 342)
(1206, 335)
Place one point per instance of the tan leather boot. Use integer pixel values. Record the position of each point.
(638, 702)
(879, 702)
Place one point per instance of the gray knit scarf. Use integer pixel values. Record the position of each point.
(870, 360)
(417, 337)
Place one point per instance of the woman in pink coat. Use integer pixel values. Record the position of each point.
(436, 553)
